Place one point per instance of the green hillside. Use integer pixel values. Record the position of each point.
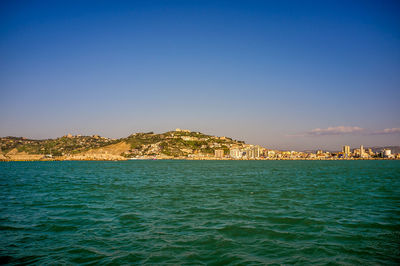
(176, 143)
(55, 147)
(172, 143)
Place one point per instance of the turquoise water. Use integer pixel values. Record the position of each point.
(200, 212)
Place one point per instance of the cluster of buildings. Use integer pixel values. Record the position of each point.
(249, 152)
(366, 153)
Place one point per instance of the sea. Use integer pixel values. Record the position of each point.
(200, 212)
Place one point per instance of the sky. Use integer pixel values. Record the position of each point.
(289, 75)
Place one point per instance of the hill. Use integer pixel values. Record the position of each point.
(177, 144)
(172, 144)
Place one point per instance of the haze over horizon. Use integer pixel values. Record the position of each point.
(284, 75)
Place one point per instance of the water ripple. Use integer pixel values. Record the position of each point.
(188, 212)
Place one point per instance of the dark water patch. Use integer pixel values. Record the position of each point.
(11, 228)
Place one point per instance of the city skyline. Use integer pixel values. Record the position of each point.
(287, 75)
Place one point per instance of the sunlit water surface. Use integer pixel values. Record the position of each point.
(200, 212)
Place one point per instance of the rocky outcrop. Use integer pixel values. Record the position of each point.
(15, 155)
(2, 157)
(110, 152)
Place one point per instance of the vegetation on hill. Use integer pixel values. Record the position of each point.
(172, 143)
(176, 143)
(54, 147)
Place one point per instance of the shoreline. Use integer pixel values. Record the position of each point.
(197, 159)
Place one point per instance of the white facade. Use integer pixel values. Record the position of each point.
(235, 153)
(387, 153)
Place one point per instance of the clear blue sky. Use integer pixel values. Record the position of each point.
(283, 74)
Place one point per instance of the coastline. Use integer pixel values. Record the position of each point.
(172, 145)
(198, 159)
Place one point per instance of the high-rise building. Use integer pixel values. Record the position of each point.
(346, 150)
(253, 152)
(250, 153)
(362, 151)
(257, 150)
(235, 153)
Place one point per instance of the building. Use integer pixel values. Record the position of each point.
(219, 153)
(235, 153)
(189, 138)
(182, 130)
(250, 154)
(270, 154)
(346, 150)
(362, 151)
(387, 153)
(253, 152)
